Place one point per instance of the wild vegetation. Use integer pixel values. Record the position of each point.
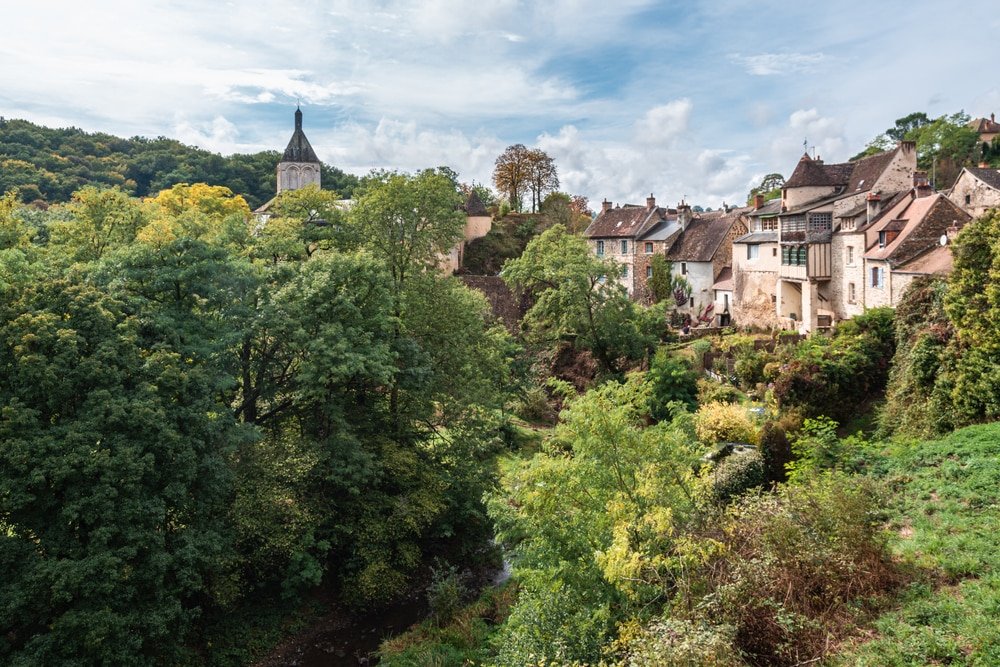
(48, 165)
(206, 420)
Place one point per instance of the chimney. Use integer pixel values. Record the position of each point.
(952, 231)
(908, 146)
(984, 165)
(605, 206)
(993, 118)
(650, 202)
(874, 205)
(758, 201)
(683, 215)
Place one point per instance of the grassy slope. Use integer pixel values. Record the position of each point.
(947, 515)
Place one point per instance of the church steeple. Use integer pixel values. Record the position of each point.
(299, 164)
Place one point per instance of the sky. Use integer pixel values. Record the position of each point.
(695, 100)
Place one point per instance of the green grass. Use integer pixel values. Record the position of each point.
(946, 514)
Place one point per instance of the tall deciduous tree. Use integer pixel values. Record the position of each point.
(409, 221)
(542, 178)
(577, 299)
(512, 174)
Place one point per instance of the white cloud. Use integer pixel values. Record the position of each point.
(807, 129)
(767, 64)
(664, 123)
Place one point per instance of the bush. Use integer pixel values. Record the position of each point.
(710, 391)
(797, 568)
(673, 642)
(535, 407)
(749, 368)
(445, 593)
(776, 445)
(721, 422)
(736, 474)
(671, 380)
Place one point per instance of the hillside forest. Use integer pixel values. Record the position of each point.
(214, 430)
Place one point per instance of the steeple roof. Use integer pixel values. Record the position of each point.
(298, 149)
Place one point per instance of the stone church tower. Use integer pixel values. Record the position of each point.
(299, 165)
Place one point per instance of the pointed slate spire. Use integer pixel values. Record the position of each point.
(299, 149)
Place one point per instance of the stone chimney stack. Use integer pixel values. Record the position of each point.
(758, 202)
(605, 206)
(921, 185)
(874, 205)
(683, 215)
(650, 202)
(908, 146)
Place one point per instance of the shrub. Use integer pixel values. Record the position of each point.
(673, 642)
(670, 379)
(535, 406)
(736, 474)
(798, 567)
(445, 593)
(710, 391)
(700, 348)
(749, 368)
(721, 422)
(776, 444)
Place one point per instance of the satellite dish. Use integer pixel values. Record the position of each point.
(943, 240)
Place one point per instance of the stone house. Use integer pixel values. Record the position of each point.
(701, 254)
(987, 128)
(906, 241)
(617, 233)
(756, 262)
(809, 290)
(976, 190)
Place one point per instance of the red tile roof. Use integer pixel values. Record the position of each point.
(626, 221)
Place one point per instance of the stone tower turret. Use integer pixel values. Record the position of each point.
(299, 165)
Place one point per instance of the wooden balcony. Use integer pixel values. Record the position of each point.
(817, 264)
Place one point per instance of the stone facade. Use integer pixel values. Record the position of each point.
(976, 191)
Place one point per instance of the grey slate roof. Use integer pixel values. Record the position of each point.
(990, 177)
(758, 237)
(299, 149)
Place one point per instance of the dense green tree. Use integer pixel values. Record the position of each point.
(115, 487)
(576, 301)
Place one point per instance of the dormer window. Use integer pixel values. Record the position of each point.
(881, 239)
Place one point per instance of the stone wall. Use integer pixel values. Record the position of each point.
(843, 274)
(981, 197)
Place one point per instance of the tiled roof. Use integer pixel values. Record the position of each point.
(925, 220)
(890, 203)
(985, 125)
(867, 170)
(857, 176)
(299, 149)
(625, 221)
(662, 230)
(758, 237)
(725, 279)
(772, 207)
(990, 177)
(934, 261)
(474, 205)
(702, 237)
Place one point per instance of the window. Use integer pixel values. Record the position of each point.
(649, 248)
(769, 224)
(624, 247)
(881, 239)
(820, 222)
(691, 302)
(878, 277)
(649, 272)
(600, 248)
(624, 270)
(968, 199)
(793, 255)
(753, 251)
(793, 223)
(774, 252)
(849, 253)
(851, 296)
(684, 268)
